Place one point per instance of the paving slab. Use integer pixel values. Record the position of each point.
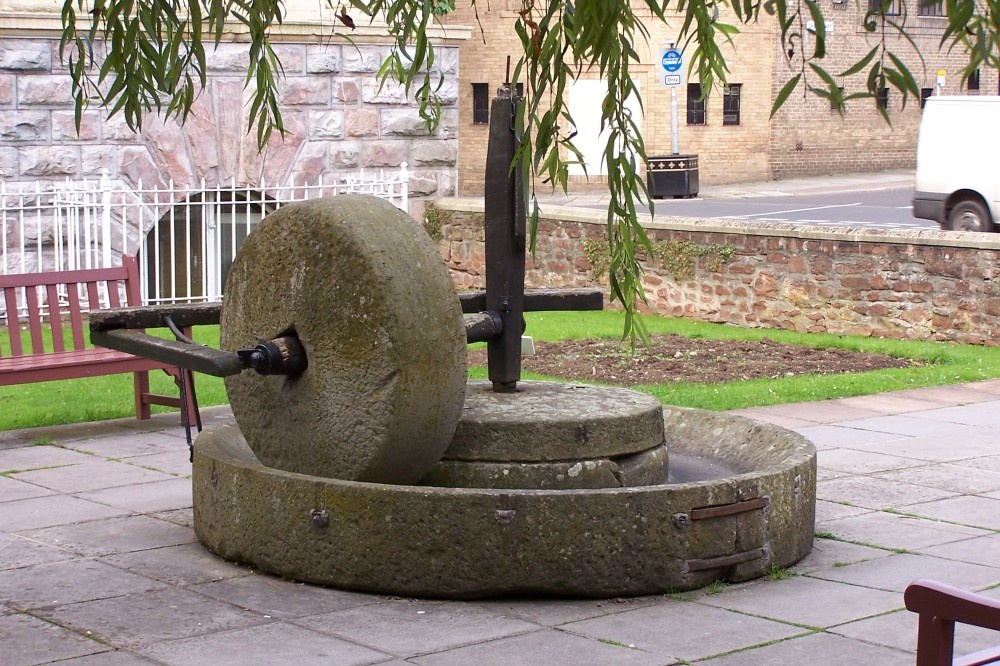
(835, 436)
(100, 545)
(177, 463)
(276, 643)
(890, 403)
(407, 627)
(954, 394)
(39, 457)
(828, 510)
(69, 582)
(962, 444)
(765, 415)
(861, 462)
(145, 497)
(885, 494)
(13, 489)
(911, 425)
(51, 510)
(991, 462)
(984, 550)
(274, 597)
(554, 612)
(982, 414)
(702, 635)
(26, 640)
(898, 630)
(183, 565)
(826, 411)
(965, 477)
(983, 512)
(95, 475)
(895, 572)
(817, 650)
(116, 658)
(894, 531)
(547, 647)
(17, 552)
(183, 516)
(123, 534)
(830, 553)
(796, 600)
(127, 445)
(151, 617)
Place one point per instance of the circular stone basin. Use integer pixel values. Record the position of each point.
(470, 543)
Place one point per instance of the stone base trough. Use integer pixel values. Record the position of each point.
(740, 498)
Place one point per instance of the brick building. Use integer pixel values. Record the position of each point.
(732, 133)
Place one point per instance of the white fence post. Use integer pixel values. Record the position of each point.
(105, 189)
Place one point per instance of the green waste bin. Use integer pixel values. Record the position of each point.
(672, 176)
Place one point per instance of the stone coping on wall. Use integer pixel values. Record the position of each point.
(934, 237)
(38, 24)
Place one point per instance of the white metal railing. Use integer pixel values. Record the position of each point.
(185, 238)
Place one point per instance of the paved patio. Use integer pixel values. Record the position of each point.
(99, 564)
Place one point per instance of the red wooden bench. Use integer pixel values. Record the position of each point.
(60, 293)
(939, 607)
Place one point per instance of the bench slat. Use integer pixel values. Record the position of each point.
(87, 363)
(115, 273)
(93, 296)
(133, 293)
(13, 320)
(34, 321)
(55, 318)
(75, 315)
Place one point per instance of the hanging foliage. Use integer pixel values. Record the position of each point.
(138, 57)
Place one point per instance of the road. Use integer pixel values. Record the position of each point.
(881, 209)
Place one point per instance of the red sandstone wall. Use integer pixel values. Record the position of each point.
(924, 285)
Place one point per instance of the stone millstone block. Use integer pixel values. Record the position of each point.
(550, 421)
(638, 469)
(370, 299)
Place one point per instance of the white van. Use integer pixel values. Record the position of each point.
(958, 180)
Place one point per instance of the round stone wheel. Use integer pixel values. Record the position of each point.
(366, 292)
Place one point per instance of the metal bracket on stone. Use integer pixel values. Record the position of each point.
(681, 520)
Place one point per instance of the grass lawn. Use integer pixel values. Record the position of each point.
(110, 397)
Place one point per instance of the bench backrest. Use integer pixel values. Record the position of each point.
(82, 291)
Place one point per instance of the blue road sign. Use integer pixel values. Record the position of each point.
(671, 60)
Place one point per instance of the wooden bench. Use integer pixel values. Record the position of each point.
(60, 293)
(939, 607)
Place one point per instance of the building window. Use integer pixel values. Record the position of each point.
(833, 102)
(695, 105)
(884, 7)
(925, 93)
(882, 98)
(972, 83)
(480, 103)
(731, 104)
(931, 8)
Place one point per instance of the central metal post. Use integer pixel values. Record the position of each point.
(505, 244)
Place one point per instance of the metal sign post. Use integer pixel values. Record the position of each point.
(672, 62)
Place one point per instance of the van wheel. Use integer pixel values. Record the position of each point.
(970, 215)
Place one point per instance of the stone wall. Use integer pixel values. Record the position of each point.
(920, 285)
(338, 119)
